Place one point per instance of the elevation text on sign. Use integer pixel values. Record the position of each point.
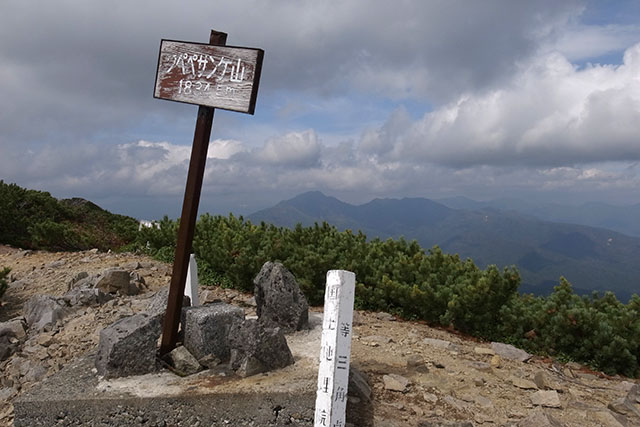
(215, 76)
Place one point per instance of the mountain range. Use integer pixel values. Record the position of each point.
(503, 233)
(623, 219)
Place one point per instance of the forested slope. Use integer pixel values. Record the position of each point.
(33, 219)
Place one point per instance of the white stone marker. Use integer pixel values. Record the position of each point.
(191, 286)
(335, 350)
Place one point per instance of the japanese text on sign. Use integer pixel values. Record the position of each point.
(335, 349)
(215, 76)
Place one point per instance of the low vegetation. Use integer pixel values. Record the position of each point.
(33, 219)
(400, 277)
(4, 272)
(392, 275)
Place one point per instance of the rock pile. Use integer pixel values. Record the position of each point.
(213, 334)
(46, 313)
(62, 311)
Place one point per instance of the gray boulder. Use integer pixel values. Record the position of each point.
(507, 351)
(539, 418)
(279, 300)
(206, 329)
(36, 372)
(625, 406)
(128, 346)
(183, 361)
(86, 296)
(256, 348)
(78, 280)
(11, 332)
(158, 303)
(358, 384)
(43, 312)
(13, 328)
(117, 280)
(82, 291)
(7, 348)
(633, 395)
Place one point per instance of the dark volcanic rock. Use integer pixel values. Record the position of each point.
(86, 296)
(42, 312)
(128, 346)
(13, 328)
(206, 329)
(7, 348)
(256, 348)
(158, 303)
(116, 280)
(280, 302)
(183, 361)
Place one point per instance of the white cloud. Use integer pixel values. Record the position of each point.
(550, 113)
(298, 149)
(510, 111)
(585, 42)
(130, 173)
(225, 148)
(380, 141)
(83, 69)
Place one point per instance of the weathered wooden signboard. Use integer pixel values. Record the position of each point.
(215, 76)
(212, 76)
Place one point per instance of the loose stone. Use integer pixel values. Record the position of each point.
(395, 382)
(547, 398)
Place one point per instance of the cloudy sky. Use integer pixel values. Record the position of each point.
(359, 99)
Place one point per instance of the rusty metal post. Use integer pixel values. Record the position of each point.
(188, 217)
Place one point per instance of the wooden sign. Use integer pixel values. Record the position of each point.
(214, 76)
(209, 75)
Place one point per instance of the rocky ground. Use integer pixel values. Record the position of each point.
(419, 376)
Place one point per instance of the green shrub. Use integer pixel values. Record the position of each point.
(4, 272)
(159, 240)
(36, 220)
(55, 236)
(597, 330)
(399, 277)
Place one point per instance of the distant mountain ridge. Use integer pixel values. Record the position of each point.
(589, 257)
(623, 219)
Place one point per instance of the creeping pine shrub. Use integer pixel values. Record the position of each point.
(4, 272)
(400, 277)
(159, 240)
(36, 220)
(596, 330)
(57, 236)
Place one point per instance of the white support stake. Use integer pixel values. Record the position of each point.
(335, 350)
(191, 286)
